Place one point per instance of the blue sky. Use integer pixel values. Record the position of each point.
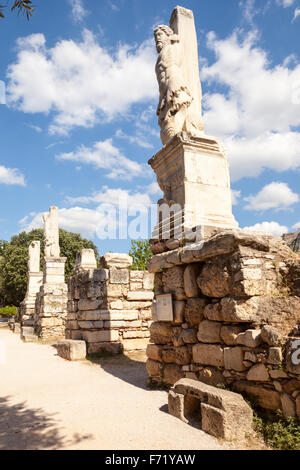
(79, 122)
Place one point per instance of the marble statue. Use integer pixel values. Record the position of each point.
(51, 233)
(34, 257)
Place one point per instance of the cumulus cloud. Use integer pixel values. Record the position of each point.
(11, 176)
(273, 228)
(235, 195)
(285, 3)
(104, 155)
(80, 81)
(296, 226)
(272, 196)
(296, 13)
(257, 116)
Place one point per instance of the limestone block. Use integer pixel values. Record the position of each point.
(229, 334)
(100, 336)
(154, 368)
(275, 356)
(173, 282)
(140, 296)
(189, 336)
(114, 290)
(265, 398)
(71, 350)
(161, 333)
(114, 324)
(148, 280)
(208, 354)
(190, 280)
(85, 259)
(209, 332)
(288, 406)
(116, 305)
(278, 374)
(250, 338)
(135, 344)
(169, 356)
(176, 405)
(104, 348)
(154, 352)
(100, 275)
(298, 406)
(258, 373)
(118, 276)
(271, 335)
(116, 260)
(178, 311)
(136, 285)
(233, 359)
(194, 311)
(136, 275)
(214, 281)
(177, 339)
(182, 355)
(172, 373)
(85, 304)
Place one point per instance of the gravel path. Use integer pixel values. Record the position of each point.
(49, 403)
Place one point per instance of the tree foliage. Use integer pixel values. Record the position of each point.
(141, 252)
(14, 260)
(21, 6)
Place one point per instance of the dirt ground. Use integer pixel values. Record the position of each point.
(49, 403)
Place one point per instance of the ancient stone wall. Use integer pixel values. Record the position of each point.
(109, 308)
(236, 311)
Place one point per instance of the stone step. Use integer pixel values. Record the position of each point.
(29, 338)
(27, 331)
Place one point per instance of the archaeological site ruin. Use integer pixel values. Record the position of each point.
(217, 311)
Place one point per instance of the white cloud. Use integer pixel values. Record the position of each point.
(104, 155)
(138, 139)
(248, 8)
(35, 128)
(80, 82)
(273, 228)
(235, 195)
(11, 176)
(272, 196)
(78, 10)
(296, 226)
(116, 197)
(285, 3)
(257, 115)
(296, 14)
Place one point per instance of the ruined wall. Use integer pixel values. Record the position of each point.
(236, 311)
(109, 308)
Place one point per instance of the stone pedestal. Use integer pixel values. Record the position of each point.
(27, 307)
(51, 303)
(193, 173)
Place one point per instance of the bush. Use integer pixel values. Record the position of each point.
(8, 311)
(278, 432)
(141, 252)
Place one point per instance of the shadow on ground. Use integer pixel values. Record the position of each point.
(130, 367)
(23, 428)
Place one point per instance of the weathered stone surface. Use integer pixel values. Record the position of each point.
(298, 406)
(250, 338)
(208, 354)
(182, 355)
(148, 281)
(178, 311)
(173, 282)
(194, 311)
(116, 260)
(229, 333)
(118, 276)
(161, 333)
(278, 374)
(190, 280)
(169, 356)
(154, 368)
(275, 356)
(154, 352)
(265, 398)
(71, 350)
(85, 304)
(172, 373)
(104, 348)
(189, 336)
(271, 335)
(288, 406)
(224, 414)
(258, 373)
(177, 337)
(214, 281)
(211, 376)
(209, 332)
(233, 359)
(100, 336)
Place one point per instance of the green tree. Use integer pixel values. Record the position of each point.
(21, 6)
(140, 251)
(14, 259)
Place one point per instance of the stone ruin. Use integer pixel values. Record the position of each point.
(109, 308)
(227, 302)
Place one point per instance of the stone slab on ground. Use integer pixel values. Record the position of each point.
(71, 350)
